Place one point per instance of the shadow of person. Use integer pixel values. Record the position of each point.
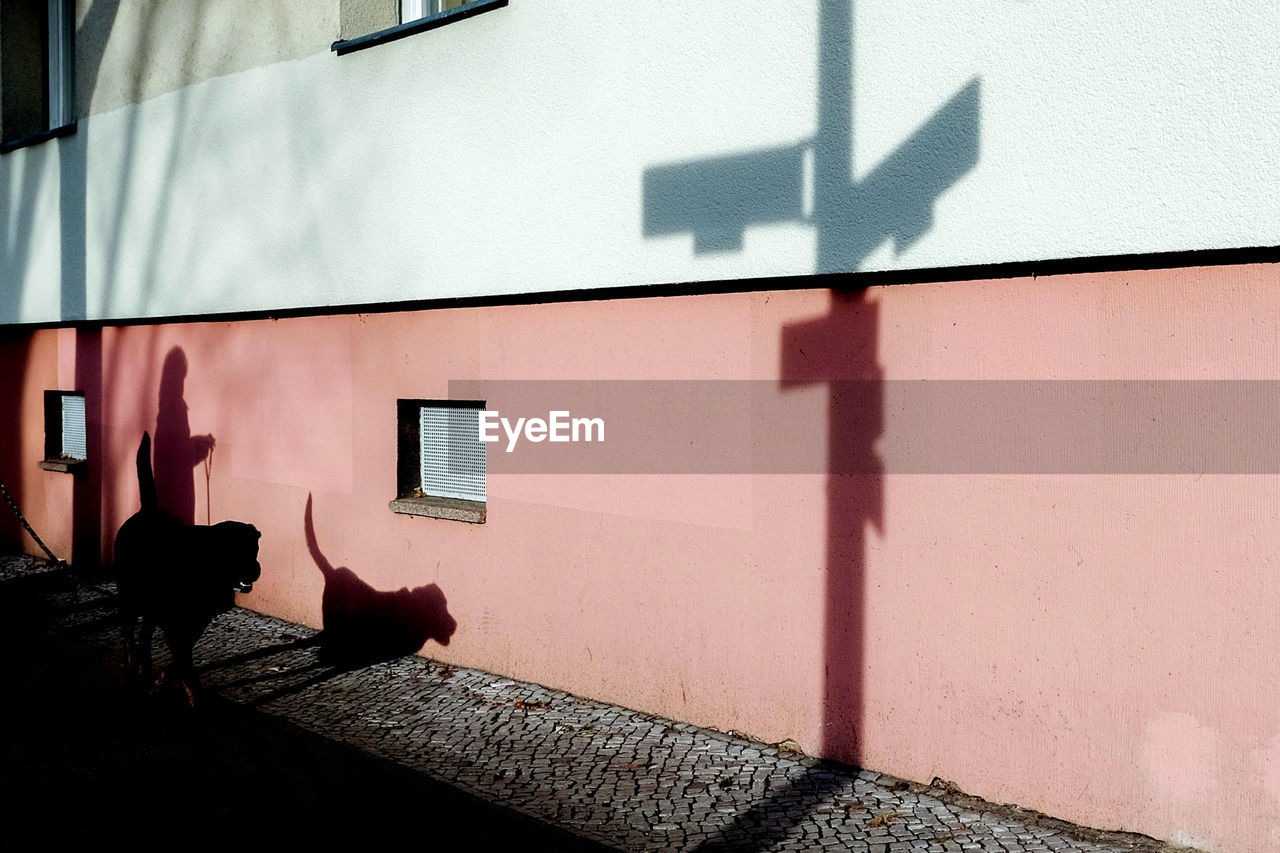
(177, 451)
(363, 625)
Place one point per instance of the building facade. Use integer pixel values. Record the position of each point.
(270, 232)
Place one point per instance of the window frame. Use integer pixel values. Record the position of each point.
(55, 456)
(410, 500)
(58, 77)
(429, 22)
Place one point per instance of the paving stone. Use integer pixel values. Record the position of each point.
(630, 780)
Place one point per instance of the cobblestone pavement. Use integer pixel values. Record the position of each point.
(626, 779)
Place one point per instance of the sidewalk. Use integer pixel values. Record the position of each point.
(610, 775)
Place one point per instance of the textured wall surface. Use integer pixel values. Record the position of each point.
(1095, 645)
(555, 145)
(361, 17)
(128, 51)
(1099, 646)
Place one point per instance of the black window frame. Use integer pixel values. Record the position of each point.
(430, 22)
(60, 84)
(54, 457)
(410, 500)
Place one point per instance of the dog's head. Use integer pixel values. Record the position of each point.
(426, 612)
(241, 563)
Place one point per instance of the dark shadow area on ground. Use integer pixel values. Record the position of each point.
(88, 761)
(771, 820)
(289, 644)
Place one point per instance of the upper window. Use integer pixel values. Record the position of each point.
(365, 23)
(412, 10)
(37, 71)
(441, 463)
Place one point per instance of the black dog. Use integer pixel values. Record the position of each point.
(176, 577)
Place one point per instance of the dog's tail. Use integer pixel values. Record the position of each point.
(146, 479)
(326, 568)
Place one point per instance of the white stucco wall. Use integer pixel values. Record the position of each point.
(511, 153)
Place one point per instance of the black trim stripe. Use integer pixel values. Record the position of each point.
(826, 281)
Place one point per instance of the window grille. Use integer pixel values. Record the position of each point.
(452, 454)
(75, 443)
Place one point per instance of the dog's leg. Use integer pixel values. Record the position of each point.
(142, 649)
(127, 625)
(137, 651)
(184, 670)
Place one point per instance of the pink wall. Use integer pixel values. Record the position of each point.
(29, 366)
(1098, 647)
(1105, 641)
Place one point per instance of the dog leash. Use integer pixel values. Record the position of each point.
(61, 564)
(208, 505)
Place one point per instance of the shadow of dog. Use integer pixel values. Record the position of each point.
(363, 625)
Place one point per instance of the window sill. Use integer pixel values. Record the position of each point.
(78, 467)
(421, 25)
(37, 138)
(449, 509)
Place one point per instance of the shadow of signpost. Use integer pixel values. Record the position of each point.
(716, 200)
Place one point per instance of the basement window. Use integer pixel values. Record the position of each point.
(440, 460)
(66, 439)
(365, 23)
